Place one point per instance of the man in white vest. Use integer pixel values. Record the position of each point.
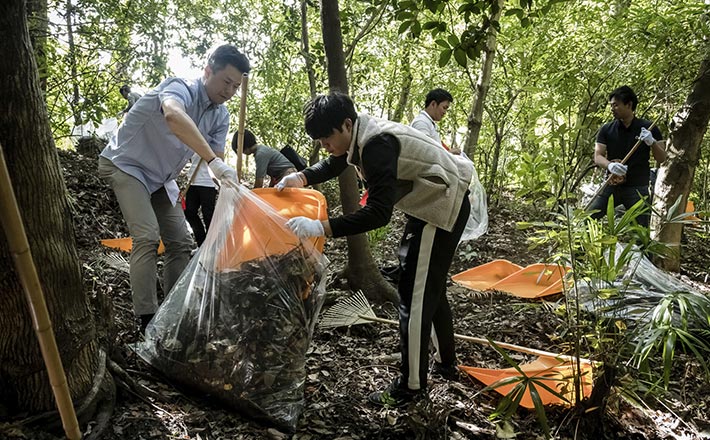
(408, 170)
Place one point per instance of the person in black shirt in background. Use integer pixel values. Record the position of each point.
(403, 168)
(614, 140)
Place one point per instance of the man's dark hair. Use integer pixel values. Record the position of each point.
(326, 113)
(437, 95)
(625, 94)
(249, 139)
(227, 54)
(125, 89)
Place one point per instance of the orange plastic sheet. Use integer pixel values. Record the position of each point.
(254, 235)
(126, 244)
(486, 275)
(533, 281)
(690, 207)
(557, 374)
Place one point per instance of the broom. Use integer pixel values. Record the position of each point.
(356, 310)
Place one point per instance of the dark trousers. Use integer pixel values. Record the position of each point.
(623, 195)
(425, 255)
(197, 197)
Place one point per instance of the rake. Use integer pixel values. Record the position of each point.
(356, 310)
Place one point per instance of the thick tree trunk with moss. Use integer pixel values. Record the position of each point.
(362, 272)
(42, 200)
(675, 177)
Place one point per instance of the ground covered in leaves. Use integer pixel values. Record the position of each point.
(345, 365)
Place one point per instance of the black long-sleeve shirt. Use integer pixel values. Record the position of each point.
(379, 168)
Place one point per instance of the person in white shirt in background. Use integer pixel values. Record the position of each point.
(200, 196)
(436, 104)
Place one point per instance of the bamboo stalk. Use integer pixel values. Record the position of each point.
(242, 123)
(623, 161)
(27, 272)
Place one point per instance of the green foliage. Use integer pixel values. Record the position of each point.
(663, 334)
(602, 255)
(375, 236)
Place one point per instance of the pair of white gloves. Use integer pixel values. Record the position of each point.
(620, 169)
(303, 227)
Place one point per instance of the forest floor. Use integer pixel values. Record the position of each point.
(345, 365)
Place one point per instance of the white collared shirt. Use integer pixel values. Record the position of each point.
(424, 123)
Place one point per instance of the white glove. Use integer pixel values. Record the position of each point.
(305, 227)
(617, 168)
(292, 180)
(646, 136)
(222, 171)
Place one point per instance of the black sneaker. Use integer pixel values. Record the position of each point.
(448, 372)
(396, 395)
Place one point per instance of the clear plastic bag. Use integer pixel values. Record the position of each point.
(477, 224)
(642, 287)
(239, 321)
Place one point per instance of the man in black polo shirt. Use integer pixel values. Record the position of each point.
(614, 141)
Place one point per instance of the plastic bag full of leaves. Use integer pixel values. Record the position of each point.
(238, 322)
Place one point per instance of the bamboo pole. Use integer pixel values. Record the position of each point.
(623, 161)
(242, 123)
(27, 272)
(512, 347)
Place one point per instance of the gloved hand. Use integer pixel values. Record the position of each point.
(646, 136)
(221, 170)
(305, 227)
(617, 168)
(292, 180)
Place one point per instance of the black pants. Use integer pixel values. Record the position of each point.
(425, 254)
(200, 197)
(623, 195)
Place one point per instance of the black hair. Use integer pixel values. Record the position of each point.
(626, 95)
(125, 88)
(249, 139)
(438, 95)
(228, 55)
(326, 113)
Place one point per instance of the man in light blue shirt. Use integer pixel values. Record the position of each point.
(156, 139)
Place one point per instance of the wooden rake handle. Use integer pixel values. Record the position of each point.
(242, 123)
(513, 347)
(623, 161)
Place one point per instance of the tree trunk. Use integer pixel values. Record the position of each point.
(497, 146)
(362, 272)
(78, 120)
(308, 58)
(407, 78)
(39, 29)
(475, 119)
(675, 177)
(41, 196)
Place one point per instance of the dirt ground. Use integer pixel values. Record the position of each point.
(345, 365)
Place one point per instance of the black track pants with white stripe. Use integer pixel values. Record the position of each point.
(425, 255)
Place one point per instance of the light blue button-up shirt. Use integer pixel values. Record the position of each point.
(147, 149)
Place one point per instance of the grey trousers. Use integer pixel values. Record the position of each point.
(150, 217)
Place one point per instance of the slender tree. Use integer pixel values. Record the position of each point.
(475, 118)
(362, 272)
(675, 177)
